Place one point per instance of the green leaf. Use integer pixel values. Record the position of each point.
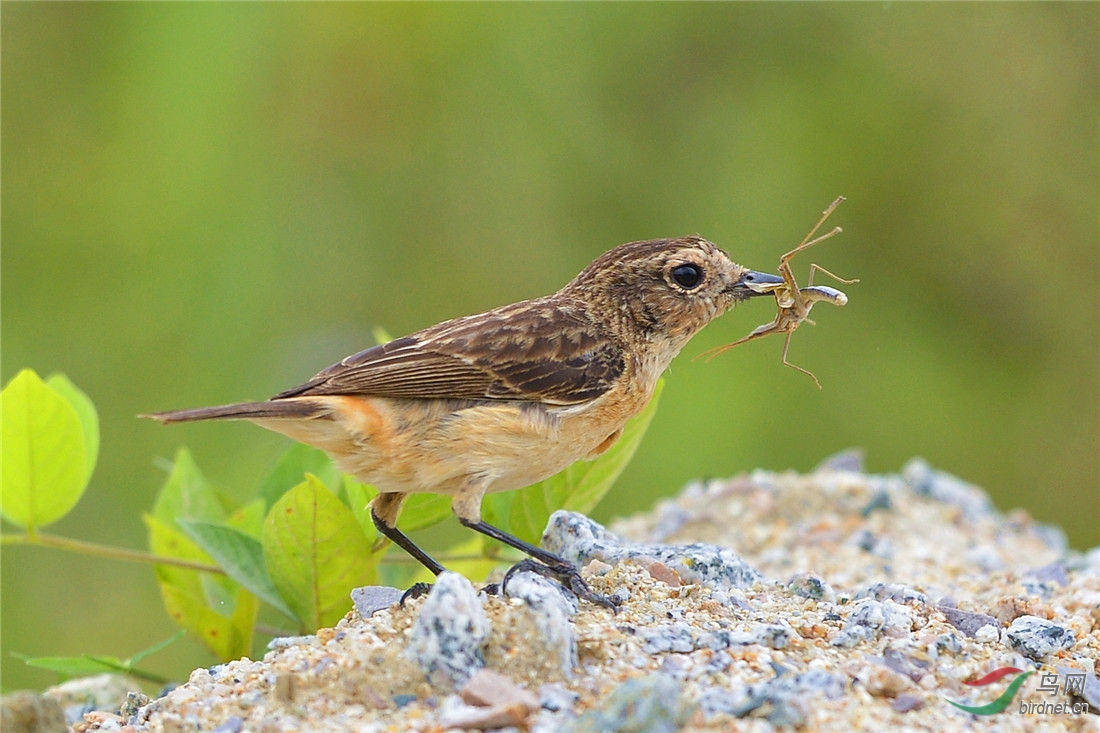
(214, 608)
(359, 497)
(239, 555)
(578, 488)
(423, 510)
(44, 454)
(85, 410)
(249, 518)
(316, 553)
(85, 666)
(168, 541)
(291, 469)
(228, 638)
(187, 494)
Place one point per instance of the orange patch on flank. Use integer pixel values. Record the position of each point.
(361, 413)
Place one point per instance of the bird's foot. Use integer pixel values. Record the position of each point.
(564, 573)
(416, 590)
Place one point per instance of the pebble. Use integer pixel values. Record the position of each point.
(905, 702)
(551, 608)
(456, 714)
(895, 592)
(654, 704)
(881, 681)
(944, 487)
(447, 636)
(870, 618)
(809, 585)
(370, 599)
(488, 689)
(968, 622)
(1037, 638)
(105, 692)
(849, 459)
(29, 712)
(789, 695)
(579, 539)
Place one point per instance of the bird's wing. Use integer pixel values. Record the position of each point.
(532, 352)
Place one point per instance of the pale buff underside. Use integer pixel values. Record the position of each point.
(426, 446)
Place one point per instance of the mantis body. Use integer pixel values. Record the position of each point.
(794, 303)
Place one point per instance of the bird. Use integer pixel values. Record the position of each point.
(502, 399)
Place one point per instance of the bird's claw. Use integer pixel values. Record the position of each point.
(416, 590)
(563, 573)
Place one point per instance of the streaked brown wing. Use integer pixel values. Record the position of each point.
(532, 351)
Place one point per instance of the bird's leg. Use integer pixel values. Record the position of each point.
(383, 512)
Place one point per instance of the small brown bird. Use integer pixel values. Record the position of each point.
(503, 399)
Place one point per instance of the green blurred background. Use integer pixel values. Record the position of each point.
(208, 203)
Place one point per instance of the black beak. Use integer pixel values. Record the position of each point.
(754, 283)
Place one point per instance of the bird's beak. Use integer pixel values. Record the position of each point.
(753, 283)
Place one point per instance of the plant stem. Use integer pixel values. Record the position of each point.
(107, 551)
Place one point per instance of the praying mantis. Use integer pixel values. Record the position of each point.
(794, 303)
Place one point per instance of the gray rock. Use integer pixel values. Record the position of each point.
(849, 460)
(1036, 637)
(29, 712)
(870, 618)
(912, 667)
(945, 644)
(790, 696)
(578, 539)
(653, 704)
(372, 598)
(812, 586)
(773, 636)
(942, 486)
(96, 692)
(892, 592)
(668, 638)
(551, 607)
(446, 639)
(967, 622)
(880, 501)
(1055, 572)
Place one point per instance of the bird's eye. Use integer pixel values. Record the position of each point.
(687, 276)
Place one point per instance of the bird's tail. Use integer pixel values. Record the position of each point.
(269, 410)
